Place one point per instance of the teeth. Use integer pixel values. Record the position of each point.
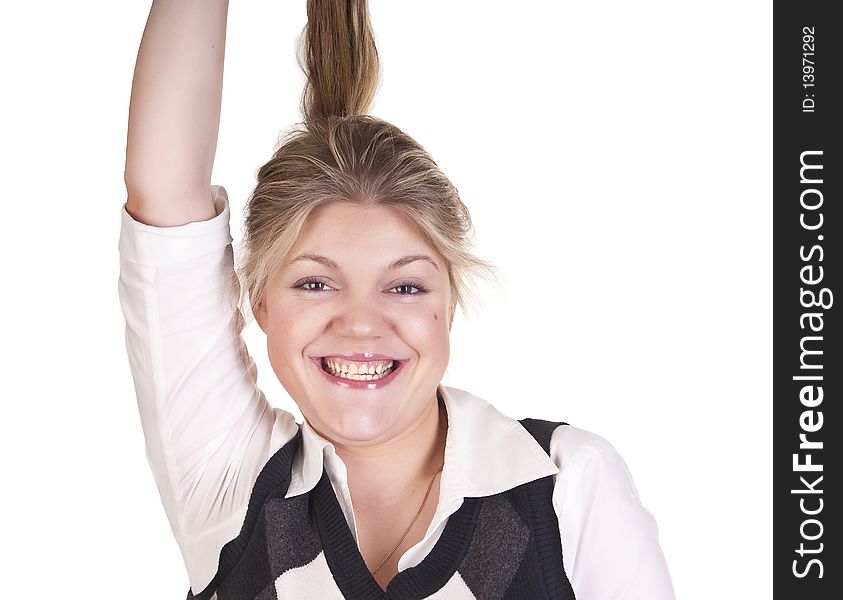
(360, 371)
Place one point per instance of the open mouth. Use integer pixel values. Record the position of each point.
(368, 370)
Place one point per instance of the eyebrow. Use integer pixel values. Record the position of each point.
(406, 260)
(396, 264)
(317, 258)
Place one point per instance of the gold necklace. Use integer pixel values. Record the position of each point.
(413, 522)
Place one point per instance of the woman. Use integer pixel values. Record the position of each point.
(356, 256)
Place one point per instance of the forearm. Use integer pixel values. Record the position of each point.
(174, 110)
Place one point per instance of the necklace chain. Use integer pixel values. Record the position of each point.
(413, 522)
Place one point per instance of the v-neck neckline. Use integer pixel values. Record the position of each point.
(350, 571)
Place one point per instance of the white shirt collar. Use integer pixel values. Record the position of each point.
(486, 453)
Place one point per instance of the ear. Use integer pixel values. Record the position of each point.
(259, 311)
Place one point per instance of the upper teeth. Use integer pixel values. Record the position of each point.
(349, 367)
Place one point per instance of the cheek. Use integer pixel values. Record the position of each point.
(288, 334)
(424, 330)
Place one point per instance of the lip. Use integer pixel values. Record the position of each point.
(360, 356)
(359, 385)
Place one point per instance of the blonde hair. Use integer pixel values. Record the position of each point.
(339, 153)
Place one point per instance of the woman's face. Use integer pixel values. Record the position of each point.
(362, 291)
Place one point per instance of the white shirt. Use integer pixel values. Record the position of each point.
(209, 430)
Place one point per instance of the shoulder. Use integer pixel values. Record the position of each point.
(610, 540)
(588, 462)
(570, 444)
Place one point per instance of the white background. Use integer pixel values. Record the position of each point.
(616, 157)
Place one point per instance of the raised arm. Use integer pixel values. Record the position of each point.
(208, 429)
(174, 112)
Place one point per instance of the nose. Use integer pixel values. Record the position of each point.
(359, 317)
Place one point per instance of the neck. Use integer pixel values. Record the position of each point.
(385, 474)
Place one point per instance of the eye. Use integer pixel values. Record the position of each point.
(409, 285)
(311, 285)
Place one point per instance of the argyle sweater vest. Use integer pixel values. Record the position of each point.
(503, 547)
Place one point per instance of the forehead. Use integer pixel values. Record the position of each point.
(373, 229)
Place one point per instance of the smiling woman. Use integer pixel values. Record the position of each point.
(356, 255)
(363, 292)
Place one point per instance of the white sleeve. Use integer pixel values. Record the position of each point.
(610, 546)
(208, 428)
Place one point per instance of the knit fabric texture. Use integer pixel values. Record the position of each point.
(501, 547)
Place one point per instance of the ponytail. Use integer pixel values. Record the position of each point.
(339, 59)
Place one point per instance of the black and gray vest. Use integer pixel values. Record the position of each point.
(502, 547)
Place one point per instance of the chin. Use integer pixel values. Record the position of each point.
(357, 425)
